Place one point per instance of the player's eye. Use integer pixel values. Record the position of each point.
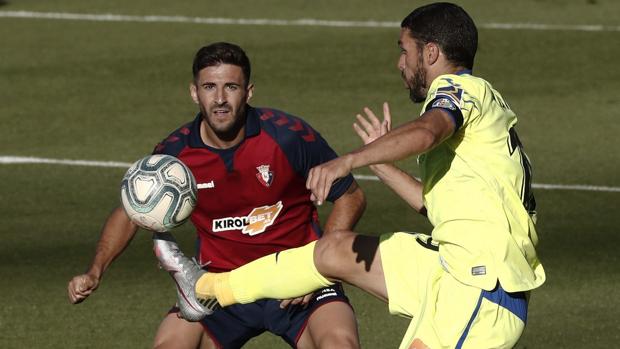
(232, 87)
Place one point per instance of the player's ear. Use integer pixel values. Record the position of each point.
(432, 52)
(250, 90)
(193, 92)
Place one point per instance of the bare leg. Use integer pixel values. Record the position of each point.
(332, 325)
(176, 333)
(352, 258)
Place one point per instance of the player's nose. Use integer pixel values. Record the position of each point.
(400, 63)
(220, 97)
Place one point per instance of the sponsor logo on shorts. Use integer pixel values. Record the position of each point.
(327, 292)
(253, 224)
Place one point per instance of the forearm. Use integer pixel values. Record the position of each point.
(347, 210)
(404, 185)
(412, 138)
(116, 235)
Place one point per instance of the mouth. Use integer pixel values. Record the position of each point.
(220, 112)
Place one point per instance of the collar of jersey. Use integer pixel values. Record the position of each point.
(463, 72)
(252, 128)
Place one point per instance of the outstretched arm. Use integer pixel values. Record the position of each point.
(115, 237)
(413, 138)
(403, 184)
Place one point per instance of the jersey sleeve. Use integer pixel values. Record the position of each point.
(449, 95)
(305, 148)
(174, 143)
(318, 152)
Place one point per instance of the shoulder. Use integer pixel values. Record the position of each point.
(285, 128)
(177, 140)
(460, 86)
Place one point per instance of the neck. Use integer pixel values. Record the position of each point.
(222, 140)
(443, 70)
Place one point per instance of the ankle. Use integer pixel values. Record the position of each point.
(215, 285)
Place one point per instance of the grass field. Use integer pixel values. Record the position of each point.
(95, 90)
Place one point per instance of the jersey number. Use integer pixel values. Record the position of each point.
(527, 196)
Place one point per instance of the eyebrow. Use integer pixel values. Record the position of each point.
(225, 84)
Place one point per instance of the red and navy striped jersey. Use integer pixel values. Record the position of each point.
(252, 198)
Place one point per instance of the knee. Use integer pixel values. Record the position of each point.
(329, 250)
(338, 339)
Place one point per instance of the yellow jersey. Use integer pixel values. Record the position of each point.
(477, 189)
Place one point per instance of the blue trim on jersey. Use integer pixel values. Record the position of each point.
(456, 115)
(303, 146)
(227, 155)
(515, 302)
(459, 344)
(463, 72)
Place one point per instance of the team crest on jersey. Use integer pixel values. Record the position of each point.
(444, 103)
(265, 177)
(259, 219)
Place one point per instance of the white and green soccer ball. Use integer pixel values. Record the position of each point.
(158, 192)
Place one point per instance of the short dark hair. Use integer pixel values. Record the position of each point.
(222, 53)
(448, 26)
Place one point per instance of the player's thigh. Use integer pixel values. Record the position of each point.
(332, 325)
(353, 258)
(174, 332)
(410, 264)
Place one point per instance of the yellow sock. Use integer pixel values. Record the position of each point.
(287, 274)
(215, 285)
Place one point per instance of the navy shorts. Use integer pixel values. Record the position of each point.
(232, 326)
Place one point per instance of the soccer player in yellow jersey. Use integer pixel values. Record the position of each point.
(467, 284)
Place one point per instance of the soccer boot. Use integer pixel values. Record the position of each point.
(185, 272)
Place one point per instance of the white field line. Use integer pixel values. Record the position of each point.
(8, 160)
(307, 22)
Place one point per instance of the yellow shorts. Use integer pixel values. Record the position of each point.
(445, 312)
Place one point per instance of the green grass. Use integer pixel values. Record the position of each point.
(110, 91)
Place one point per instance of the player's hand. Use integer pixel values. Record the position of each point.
(81, 286)
(303, 300)
(371, 128)
(321, 177)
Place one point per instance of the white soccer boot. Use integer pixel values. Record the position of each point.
(185, 272)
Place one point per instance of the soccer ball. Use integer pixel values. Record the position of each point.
(158, 192)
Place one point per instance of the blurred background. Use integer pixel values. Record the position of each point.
(106, 80)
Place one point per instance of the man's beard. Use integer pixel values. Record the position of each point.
(229, 132)
(417, 84)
